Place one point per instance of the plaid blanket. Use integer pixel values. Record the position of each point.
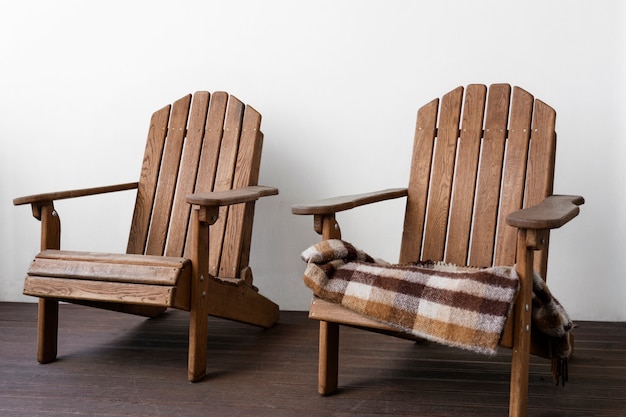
(463, 307)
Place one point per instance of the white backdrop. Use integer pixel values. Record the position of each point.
(338, 84)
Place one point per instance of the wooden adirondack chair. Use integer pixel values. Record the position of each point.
(190, 234)
(479, 194)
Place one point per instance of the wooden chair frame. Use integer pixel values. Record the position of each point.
(190, 234)
(480, 194)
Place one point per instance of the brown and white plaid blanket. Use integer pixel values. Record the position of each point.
(458, 306)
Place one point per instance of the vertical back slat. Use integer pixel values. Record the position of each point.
(423, 145)
(441, 177)
(514, 174)
(539, 181)
(246, 235)
(187, 174)
(465, 174)
(239, 225)
(168, 177)
(213, 132)
(212, 142)
(146, 190)
(224, 176)
(540, 178)
(490, 176)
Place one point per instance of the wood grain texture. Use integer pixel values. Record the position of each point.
(129, 293)
(187, 174)
(124, 271)
(342, 203)
(149, 176)
(224, 178)
(62, 195)
(440, 191)
(551, 213)
(466, 174)
(168, 177)
(514, 176)
(238, 231)
(490, 176)
(103, 257)
(419, 182)
(541, 160)
(199, 290)
(520, 357)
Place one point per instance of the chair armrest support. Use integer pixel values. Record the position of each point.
(60, 195)
(229, 197)
(337, 204)
(552, 213)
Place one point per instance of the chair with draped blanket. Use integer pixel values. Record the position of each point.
(479, 210)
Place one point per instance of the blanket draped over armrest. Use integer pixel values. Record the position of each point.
(463, 307)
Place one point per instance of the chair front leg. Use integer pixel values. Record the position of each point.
(328, 365)
(528, 241)
(48, 310)
(201, 219)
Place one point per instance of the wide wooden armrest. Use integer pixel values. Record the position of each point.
(336, 204)
(228, 197)
(60, 195)
(551, 213)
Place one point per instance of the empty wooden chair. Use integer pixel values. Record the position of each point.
(479, 194)
(190, 234)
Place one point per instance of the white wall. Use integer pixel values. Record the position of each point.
(338, 83)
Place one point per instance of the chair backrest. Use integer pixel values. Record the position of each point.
(478, 155)
(208, 142)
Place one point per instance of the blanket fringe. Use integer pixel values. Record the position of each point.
(560, 352)
(559, 370)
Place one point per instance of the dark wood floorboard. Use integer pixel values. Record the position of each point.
(113, 365)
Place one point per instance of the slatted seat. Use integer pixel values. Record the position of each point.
(190, 233)
(480, 194)
(132, 279)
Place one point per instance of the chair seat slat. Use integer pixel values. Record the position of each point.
(116, 292)
(108, 271)
(103, 257)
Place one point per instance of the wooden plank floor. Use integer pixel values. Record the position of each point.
(111, 364)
